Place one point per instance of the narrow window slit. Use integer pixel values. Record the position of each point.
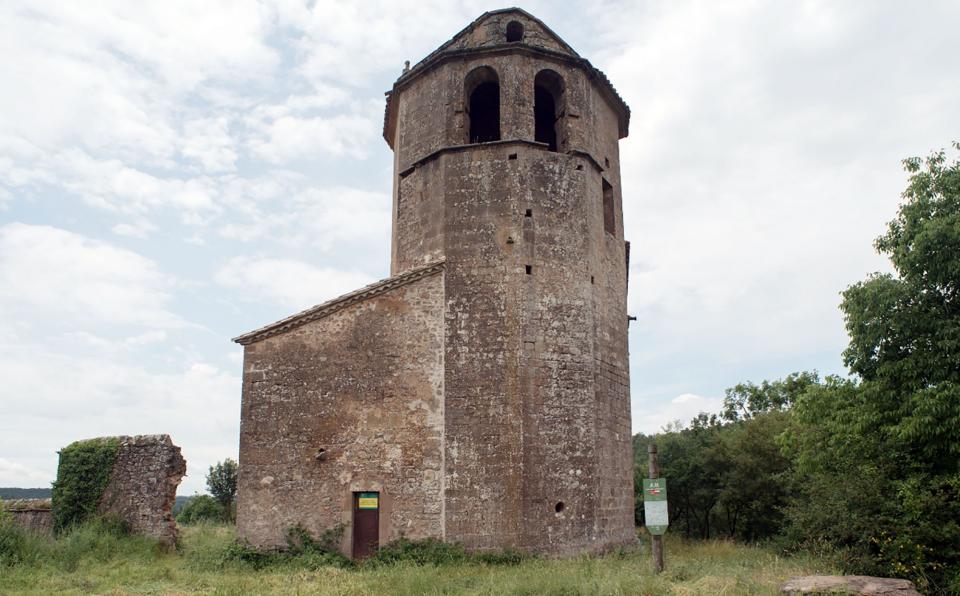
(609, 218)
(529, 269)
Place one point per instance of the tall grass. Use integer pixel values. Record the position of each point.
(98, 558)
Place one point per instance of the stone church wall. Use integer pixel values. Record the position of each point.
(364, 384)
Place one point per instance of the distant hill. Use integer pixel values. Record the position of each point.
(11, 493)
(180, 502)
(25, 493)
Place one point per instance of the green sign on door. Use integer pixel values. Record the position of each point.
(655, 505)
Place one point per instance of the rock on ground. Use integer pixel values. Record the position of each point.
(849, 584)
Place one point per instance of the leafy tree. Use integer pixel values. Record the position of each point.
(746, 400)
(877, 472)
(727, 476)
(201, 508)
(222, 484)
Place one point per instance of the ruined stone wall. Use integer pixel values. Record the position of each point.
(364, 384)
(32, 514)
(143, 485)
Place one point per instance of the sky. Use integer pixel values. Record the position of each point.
(176, 173)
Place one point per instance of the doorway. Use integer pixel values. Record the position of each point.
(366, 524)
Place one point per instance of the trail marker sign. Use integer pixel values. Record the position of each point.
(655, 505)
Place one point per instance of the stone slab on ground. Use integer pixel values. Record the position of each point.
(849, 584)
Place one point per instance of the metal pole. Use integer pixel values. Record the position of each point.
(656, 542)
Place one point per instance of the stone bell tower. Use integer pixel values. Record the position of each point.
(506, 168)
(480, 394)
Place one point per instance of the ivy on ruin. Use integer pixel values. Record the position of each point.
(82, 476)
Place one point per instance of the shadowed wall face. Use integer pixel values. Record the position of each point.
(363, 385)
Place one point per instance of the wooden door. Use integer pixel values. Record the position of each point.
(366, 524)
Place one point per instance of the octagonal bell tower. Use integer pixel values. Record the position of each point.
(506, 167)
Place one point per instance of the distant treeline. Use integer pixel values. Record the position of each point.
(867, 468)
(11, 493)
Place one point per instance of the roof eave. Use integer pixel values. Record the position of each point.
(329, 307)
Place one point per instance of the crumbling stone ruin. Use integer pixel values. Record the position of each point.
(32, 514)
(138, 486)
(480, 394)
(143, 485)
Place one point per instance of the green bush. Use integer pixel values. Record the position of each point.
(429, 551)
(303, 552)
(82, 476)
(507, 556)
(242, 553)
(200, 509)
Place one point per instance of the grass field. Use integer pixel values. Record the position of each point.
(94, 562)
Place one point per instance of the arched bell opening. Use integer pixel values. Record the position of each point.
(482, 95)
(548, 107)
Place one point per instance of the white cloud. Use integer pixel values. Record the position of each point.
(653, 415)
(139, 229)
(208, 141)
(293, 283)
(763, 159)
(63, 398)
(47, 272)
(289, 138)
(16, 474)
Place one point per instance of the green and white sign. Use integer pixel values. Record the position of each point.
(655, 505)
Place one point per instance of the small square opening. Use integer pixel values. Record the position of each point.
(512, 156)
(529, 213)
(529, 269)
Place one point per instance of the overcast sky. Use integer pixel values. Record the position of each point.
(173, 174)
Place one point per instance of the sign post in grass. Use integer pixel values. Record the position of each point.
(655, 507)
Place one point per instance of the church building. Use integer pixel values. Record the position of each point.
(480, 394)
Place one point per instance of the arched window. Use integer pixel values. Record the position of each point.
(482, 94)
(547, 107)
(514, 31)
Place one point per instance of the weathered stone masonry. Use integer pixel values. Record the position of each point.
(483, 390)
(143, 485)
